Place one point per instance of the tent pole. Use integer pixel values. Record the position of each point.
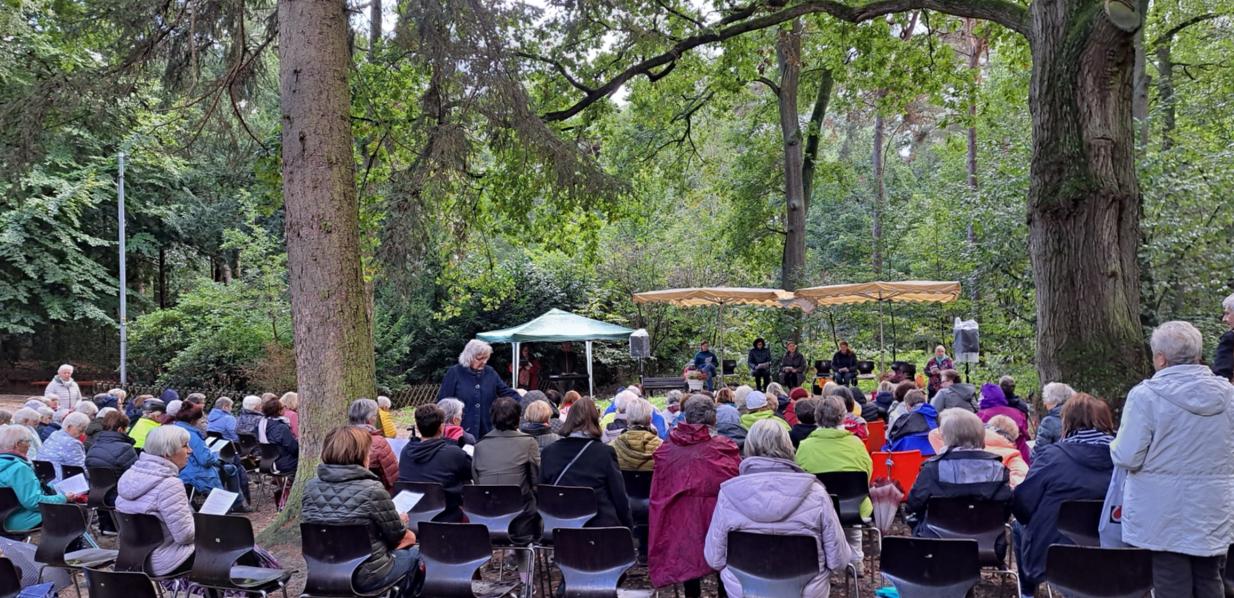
(720, 345)
(514, 369)
(591, 392)
(882, 344)
(893, 332)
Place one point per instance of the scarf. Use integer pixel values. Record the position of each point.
(1089, 436)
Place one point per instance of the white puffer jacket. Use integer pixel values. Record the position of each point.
(153, 487)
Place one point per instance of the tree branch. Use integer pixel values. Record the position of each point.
(1165, 38)
(559, 68)
(769, 83)
(680, 15)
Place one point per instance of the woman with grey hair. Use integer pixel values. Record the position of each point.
(17, 474)
(1050, 430)
(772, 495)
(451, 427)
(382, 460)
(384, 420)
(29, 419)
(635, 446)
(88, 408)
(477, 385)
(46, 427)
(152, 486)
(63, 447)
(250, 416)
(963, 470)
(1223, 357)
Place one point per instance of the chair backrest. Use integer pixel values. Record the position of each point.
(1090, 572)
(451, 553)
(851, 488)
(8, 504)
(214, 434)
(103, 482)
(865, 367)
(494, 507)
(1078, 520)
(638, 492)
(68, 471)
(962, 517)
(930, 568)
(44, 471)
(728, 367)
(822, 367)
(249, 446)
(564, 507)
(429, 507)
(332, 553)
(219, 540)
(10, 578)
(593, 559)
(900, 466)
(62, 526)
(772, 565)
(137, 536)
(118, 584)
(877, 437)
(269, 453)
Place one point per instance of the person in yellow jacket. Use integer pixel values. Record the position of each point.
(759, 407)
(152, 411)
(384, 418)
(831, 448)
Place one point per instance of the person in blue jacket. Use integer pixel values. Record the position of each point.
(18, 474)
(705, 361)
(222, 421)
(911, 431)
(204, 470)
(477, 385)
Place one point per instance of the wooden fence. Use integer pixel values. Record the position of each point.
(411, 396)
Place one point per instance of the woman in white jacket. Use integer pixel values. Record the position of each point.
(152, 486)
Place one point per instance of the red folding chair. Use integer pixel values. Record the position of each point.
(901, 467)
(878, 436)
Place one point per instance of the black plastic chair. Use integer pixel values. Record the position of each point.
(279, 479)
(930, 568)
(63, 527)
(593, 560)
(1078, 520)
(332, 553)
(44, 471)
(728, 367)
(822, 367)
(102, 497)
(452, 552)
(138, 536)
(865, 368)
(1227, 573)
(982, 520)
(1088, 572)
(770, 565)
(119, 584)
(849, 489)
(638, 492)
(430, 506)
(10, 579)
(222, 540)
(9, 505)
(496, 507)
(564, 507)
(68, 471)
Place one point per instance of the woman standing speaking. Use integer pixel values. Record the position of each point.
(477, 385)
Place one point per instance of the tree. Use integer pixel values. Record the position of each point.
(333, 338)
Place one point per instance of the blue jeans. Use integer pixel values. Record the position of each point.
(404, 572)
(710, 370)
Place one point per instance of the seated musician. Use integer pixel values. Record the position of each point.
(844, 362)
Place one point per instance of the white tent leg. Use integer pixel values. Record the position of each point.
(514, 370)
(590, 387)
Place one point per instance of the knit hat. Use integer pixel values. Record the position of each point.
(755, 400)
(798, 393)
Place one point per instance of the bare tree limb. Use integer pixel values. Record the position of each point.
(559, 68)
(680, 15)
(1164, 38)
(771, 84)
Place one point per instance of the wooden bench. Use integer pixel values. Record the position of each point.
(650, 385)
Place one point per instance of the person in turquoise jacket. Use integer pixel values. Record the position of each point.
(831, 448)
(18, 474)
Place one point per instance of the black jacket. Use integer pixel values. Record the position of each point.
(957, 473)
(794, 360)
(596, 469)
(111, 449)
(352, 495)
(757, 356)
(278, 433)
(799, 433)
(1223, 357)
(844, 360)
(247, 421)
(437, 460)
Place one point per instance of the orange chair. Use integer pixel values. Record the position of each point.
(901, 467)
(878, 435)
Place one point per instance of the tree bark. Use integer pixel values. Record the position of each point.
(814, 135)
(333, 341)
(976, 46)
(788, 55)
(162, 278)
(1165, 94)
(880, 192)
(1083, 203)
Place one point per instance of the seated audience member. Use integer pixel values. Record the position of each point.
(994, 402)
(89, 408)
(291, 402)
(635, 446)
(152, 413)
(953, 393)
(580, 459)
(728, 419)
(64, 446)
(964, 469)
(385, 419)
(911, 431)
(682, 505)
(805, 425)
(28, 418)
(96, 426)
(659, 424)
(672, 408)
(250, 416)
(112, 448)
(274, 429)
(777, 396)
(346, 492)
(152, 486)
(898, 408)
(452, 429)
(884, 398)
(613, 422)
(567, 401)
(536, 423)
(507, 457)
(17, 473)
(866, 409)
(46, 426)
(758, 408)
(1050, 429)
(433, 458)
(6, 417)
(173, 407)
(1000, 437)
(1077, 467)
(133, 409)
(363, 414)
(1007, 383)
(789, 413)
(832, 448)
(852, 421)
(772, 495)
(222, 421)
(205, 470)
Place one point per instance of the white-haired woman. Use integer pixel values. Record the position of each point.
(1050, 430)
(963, 469)
(635, 446)
(385, 421)
(381, 458)
(772, 495)
(250, 416)
(152, 486)
(17, 473)
(46, 427)
(451, 427)
(477, 385)
(64, 446)
(1223, 357)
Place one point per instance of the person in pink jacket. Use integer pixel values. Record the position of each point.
(994, 402)
(772, 495)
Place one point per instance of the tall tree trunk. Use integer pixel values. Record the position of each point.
(1139, 98)
(162, 278)
(332, 331)
(814, 134)
(976, 46)
(788, 56)
(1165, 94)
(374, 28)
(1083, 203)
(880, 192)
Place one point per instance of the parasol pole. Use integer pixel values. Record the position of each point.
(514, 370)
(894, 337)
(590, 388)
(882, 344)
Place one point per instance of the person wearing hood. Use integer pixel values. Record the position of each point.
(728, 419)
(682, 505)
(1176, 436)
(1077, 467)
(536, 423)
(1050, 429)
(451, 429)
(953, 393)
(435, 458)
(831, 448)
(1223, 356)
(250, 416)
(222, 421)
(994, 402)
(636, 445)
(772, 495)
(477, 385)
(17, 473)
(759, 361)
(805, 425)
(911, 431)
(362, 414)
(112, 447)
(580, 459)
(152, 486)
(758, 409)
(64, 447)
(345, 492)
(152, 412)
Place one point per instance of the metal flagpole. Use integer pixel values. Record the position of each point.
(124, 341)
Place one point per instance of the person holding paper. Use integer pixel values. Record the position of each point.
(759, 360)
(17, 473)
(346, 492)
(64, 446)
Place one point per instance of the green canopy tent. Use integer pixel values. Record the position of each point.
(557, 326)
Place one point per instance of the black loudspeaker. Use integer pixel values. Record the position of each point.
(640, 344)
(729, 367)
(967, 342)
